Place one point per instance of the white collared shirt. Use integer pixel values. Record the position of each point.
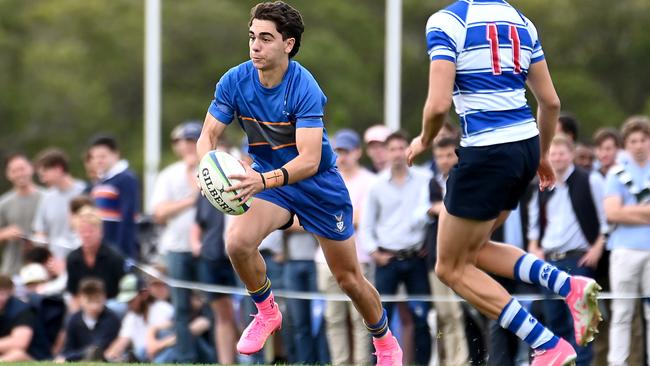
(395, 215)
(563, 232)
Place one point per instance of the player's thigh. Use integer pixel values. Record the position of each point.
(341, 255)
(258, 222)
(460, 239)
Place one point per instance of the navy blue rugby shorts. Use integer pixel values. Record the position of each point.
(491, 179)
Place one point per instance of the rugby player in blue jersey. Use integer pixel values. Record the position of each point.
(279, 105)
(483, 52)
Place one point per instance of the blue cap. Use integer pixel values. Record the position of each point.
(346, 139)
(187, 131)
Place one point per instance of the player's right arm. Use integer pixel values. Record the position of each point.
(210, 134)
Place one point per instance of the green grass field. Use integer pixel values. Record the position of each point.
(34, 363)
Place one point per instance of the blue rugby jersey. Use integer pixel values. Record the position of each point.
(270, 116)
(492, 45)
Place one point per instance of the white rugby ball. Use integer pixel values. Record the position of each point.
(214, 169)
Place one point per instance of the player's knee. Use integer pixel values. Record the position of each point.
(349, 281)
(238, 246)
(447, 274)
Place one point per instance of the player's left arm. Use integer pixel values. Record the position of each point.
(309, 142)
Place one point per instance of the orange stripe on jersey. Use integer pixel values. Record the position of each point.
(104, 194)
(259, 144)
(266, 123)
(281, 146)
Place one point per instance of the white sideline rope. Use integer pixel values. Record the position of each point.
(287, 294)
(299, 295)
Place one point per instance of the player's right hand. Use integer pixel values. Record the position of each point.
(416, 148)
(546, 175)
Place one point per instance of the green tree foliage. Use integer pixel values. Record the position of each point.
(72, 68)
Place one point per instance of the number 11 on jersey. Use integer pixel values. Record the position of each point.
(493, 38)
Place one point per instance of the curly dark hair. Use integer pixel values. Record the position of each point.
(288, 20)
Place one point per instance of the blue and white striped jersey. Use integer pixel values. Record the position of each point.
(492, 45)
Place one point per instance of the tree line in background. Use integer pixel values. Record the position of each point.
(72, 68)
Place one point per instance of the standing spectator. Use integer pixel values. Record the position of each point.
(454, 350)
(116, 195)
(17, 322)
(173, 201)
(393, 226)
(566, 229)
(568, 125)
(94, 258)
(342, 320)
(52, 221)
(91, 330)
(17, 210)
(584, 157)
(608, 145)
(374, 137)
(627, 195)
(300, 275)
(145, 328)
(214, 268)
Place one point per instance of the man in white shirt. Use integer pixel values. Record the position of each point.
(173, 201)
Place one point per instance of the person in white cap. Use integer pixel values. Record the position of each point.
(375, 137)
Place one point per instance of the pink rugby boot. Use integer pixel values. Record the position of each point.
(560, 355)
(267, 321)
(583, 303)
(388, 351)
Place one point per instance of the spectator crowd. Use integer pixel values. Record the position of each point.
(79, 256)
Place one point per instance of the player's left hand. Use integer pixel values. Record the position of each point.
(416, 148)
(546, 175)
(250, 183)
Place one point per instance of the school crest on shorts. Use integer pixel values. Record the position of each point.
(340, 225)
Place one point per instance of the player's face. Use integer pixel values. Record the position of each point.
(102, 158)
(636, 144)
(20, 172)
(561, 157)
(445, 158)
(267, 49)
(397, 152)
(606, 153)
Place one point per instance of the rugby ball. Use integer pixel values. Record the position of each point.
(214, 169)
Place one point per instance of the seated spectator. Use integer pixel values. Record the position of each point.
(56, 272)
(92, 329)
(17, 322)
(146, 328)
(93, 258)
(49, 310)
